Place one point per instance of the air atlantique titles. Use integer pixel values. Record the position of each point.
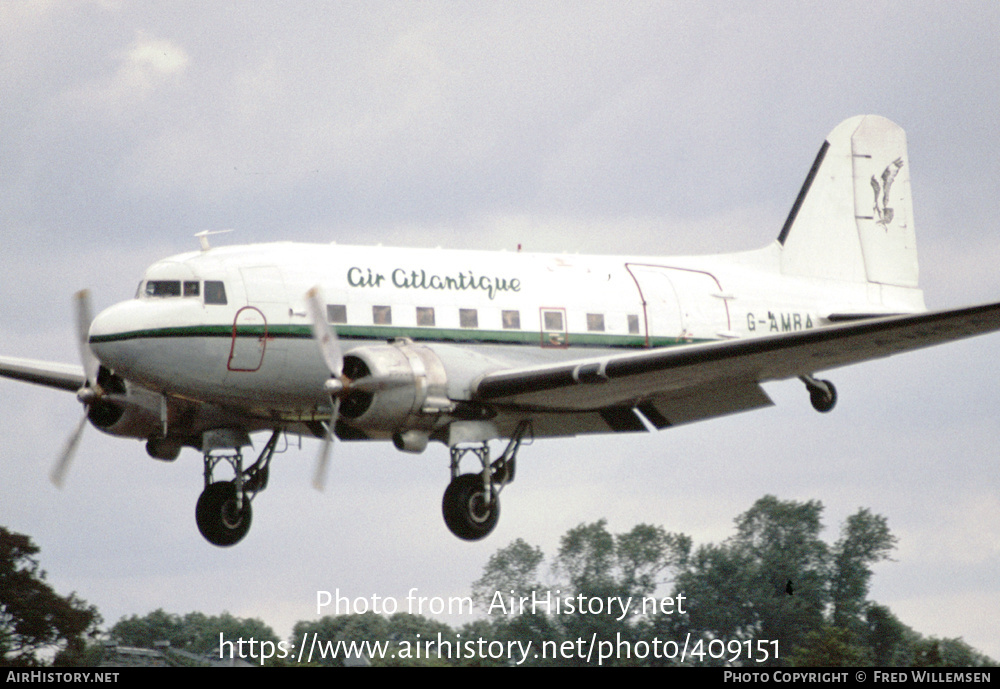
(419, 279)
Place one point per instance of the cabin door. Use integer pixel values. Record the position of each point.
(257, 342)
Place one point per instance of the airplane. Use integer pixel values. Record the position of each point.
(467, 348)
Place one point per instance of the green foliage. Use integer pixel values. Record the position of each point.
(405, 636)
(513, 570)
(591, 562)
(865, 539)
(830, 647)
(635, 562)
(774, 581)
(32, 616)
(587, 556)
(739, 588)
(195, 632)
(935, 652)
(645, 553)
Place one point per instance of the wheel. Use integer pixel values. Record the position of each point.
(218, 519)
(823, 400)
(466, 511)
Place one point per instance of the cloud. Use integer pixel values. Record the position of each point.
(148, 65)
(150, 59)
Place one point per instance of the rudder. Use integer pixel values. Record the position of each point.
(853, 218)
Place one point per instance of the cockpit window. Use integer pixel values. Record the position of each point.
(215, 292)
(163, 288)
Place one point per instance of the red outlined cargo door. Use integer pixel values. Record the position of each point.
(249, 341)
(680, 304)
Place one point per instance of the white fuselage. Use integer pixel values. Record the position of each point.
(251, 349)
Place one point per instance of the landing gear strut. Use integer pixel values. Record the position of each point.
(822, 394)
(471, 503)
(223, 511)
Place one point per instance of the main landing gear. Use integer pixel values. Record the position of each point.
(471, 503)
(223, 511)
(822, 394)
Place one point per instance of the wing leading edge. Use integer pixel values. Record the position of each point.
(67, 377)
(680, 384)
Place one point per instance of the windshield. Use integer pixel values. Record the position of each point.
(215, 290)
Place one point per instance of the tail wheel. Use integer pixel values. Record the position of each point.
(219, 518)
(823, 400)
(468, 513)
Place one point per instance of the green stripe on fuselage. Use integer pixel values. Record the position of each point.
(388, 332)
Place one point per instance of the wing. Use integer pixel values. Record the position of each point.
(67, 377)
(681, 384)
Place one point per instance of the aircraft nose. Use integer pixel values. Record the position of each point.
(106, 323)
(108, 330)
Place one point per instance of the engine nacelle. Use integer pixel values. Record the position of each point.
(127, 411)
(130, 411)
(411, 392)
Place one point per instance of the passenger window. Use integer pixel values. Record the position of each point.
(468, 318)
(511, 320)
(553, 320)
(336, 313)
(215, 292)
(554, 327)
(425, 316)
(163, 288)
(633, 325)
(191, 288)
(382, 315)
(595, 322)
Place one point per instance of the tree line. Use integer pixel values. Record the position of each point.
(772, 594)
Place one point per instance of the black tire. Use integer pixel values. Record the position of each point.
(465, 510)
(821, 400)
(218, 520)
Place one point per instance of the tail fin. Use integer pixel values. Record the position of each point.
(853, 218)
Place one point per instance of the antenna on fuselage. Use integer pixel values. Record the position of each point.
(203, 237)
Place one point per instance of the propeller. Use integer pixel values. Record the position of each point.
(58, 473)
(88, 394)
(329, 347)
(338, 386)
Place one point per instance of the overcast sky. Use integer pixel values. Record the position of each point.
(648, 128)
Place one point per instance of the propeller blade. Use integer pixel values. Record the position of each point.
(91, 364)
(329, 347)
(58, 473)
(90, 391)
(325, 336)
(323, 460)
